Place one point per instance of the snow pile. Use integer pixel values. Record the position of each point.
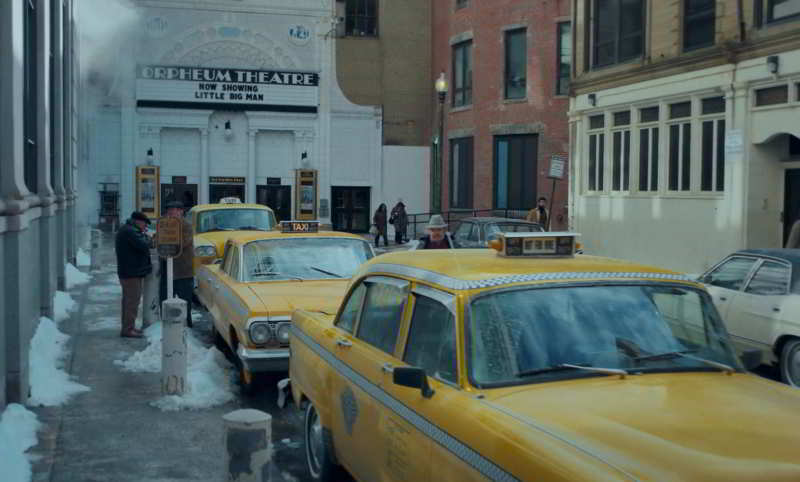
(208, 372)
(83, 258)
(18, 427)
(62, 305)
(50, 384)
(75, 276)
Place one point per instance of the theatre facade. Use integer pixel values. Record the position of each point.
(207, 102)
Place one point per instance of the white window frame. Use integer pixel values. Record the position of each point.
(649, 126)
(599, 159)
(715, 118)
(613, 130)
(691, 120)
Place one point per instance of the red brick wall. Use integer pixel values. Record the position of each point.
(486, 20)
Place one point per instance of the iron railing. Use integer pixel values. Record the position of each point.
(418, 221)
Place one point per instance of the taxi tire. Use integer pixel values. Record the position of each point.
(320, 464)
(790, 351)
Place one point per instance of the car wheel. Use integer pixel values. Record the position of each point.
(318, 460)
(790, 363)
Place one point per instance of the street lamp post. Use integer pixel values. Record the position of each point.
(436, 172)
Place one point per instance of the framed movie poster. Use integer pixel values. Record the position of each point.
(147, 191)
(306, 189)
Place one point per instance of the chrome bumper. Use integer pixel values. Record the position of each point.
(264, 360)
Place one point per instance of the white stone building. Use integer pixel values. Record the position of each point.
(234, 98)
(38, 153)
(681, 170)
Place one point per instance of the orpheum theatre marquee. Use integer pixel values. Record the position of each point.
(216, 100)
(213, 88)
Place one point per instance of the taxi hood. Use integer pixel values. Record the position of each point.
(677, 426)
(281, 299)
(218, 238)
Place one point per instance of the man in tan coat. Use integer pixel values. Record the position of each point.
(183, 277)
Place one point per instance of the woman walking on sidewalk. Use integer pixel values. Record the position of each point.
(399, 219)
(379, 220)
(132, 247)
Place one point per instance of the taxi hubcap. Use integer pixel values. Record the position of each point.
(315, 442)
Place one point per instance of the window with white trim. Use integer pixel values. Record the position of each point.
(712, 144)
(596, 167)
(621, 151)
(648, 149)
(679, 172)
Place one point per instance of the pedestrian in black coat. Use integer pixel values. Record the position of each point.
(132, 246)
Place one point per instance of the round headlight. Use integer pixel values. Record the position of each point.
(283, 332)
(205, 251)
(259, 333)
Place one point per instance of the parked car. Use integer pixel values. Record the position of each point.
(214, 224)
(476, 232)
(262, 278)
(757, 292)
(530, 364)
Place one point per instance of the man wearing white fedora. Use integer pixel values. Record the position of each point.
(437, 237)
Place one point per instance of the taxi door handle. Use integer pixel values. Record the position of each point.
(723, 298)
(343, 342)
(387, 367)
(776, 309)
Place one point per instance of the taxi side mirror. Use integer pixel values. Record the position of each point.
(751, 359)
(413, 377)
(218, 261)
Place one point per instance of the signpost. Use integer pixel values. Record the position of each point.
(169, 241)
(557, 166)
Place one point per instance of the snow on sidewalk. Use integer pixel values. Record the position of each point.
(83, 258)
(18, 427)
(50, 384)
(63, 304)
(75, 277)
(208, 373)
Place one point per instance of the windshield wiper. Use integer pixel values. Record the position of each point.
(325, 272)
(685, 354)
(275, 273)
(569, 366)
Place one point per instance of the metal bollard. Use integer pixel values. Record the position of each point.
(173, 347)
(151, 312)
(95, 253)
(248, 451)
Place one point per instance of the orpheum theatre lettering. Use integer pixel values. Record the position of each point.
(165, 86)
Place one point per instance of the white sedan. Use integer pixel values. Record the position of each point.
(757, 292)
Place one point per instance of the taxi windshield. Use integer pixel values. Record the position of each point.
(529, 335)
(304, 258)
(235, 219)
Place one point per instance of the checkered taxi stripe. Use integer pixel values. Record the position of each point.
(472, 458)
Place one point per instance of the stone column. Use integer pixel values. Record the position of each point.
(250, 187)
(203, 192)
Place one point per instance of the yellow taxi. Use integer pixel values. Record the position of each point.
(525, 362)
(214, 224)
(263, 277)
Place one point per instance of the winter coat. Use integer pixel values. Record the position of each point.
(379, 220)
(540, 216)
(424, 242)
(400, 217)
(133, 251)
(793, 241)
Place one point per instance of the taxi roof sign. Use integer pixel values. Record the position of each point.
(299, 226)
(230, 200)
(553, 244)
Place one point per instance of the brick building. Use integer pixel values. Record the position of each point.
(686, 138)
(506, 63)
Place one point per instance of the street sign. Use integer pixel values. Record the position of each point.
(557, 167)
(169, 237)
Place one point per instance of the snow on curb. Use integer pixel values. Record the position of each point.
(18, 427)
(50, 384)
(83, 258)
(75, 276)
(208, 373)
(62, 305)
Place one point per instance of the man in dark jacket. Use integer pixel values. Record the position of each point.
(132, 246)
(182, 270)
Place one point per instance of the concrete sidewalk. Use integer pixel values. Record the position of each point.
(112, 433)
